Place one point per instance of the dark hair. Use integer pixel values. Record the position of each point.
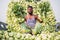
(30, 6)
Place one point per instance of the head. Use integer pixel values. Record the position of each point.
(30, 10)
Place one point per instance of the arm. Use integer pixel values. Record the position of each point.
(40, 20)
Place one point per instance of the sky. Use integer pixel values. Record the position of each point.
(3, 9)
(55, 4)
(4, 5)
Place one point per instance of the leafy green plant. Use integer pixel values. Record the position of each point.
(18, 10)
(6, 35)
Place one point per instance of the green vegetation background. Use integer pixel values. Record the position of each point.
(17, 11)
(16, 27)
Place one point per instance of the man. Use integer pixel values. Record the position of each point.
(30, 18)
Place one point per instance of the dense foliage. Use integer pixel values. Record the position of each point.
(7, 35)
(15, 19)
(18, 10)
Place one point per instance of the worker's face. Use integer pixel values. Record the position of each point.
(30, 10)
